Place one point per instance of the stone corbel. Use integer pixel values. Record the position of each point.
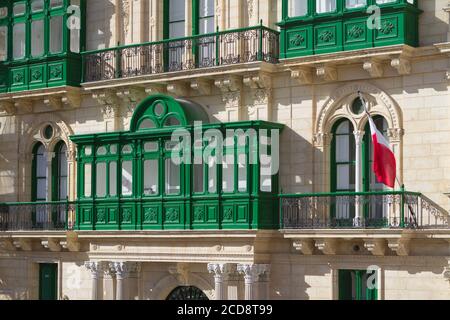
(306, 246)
(229, 84)
(25, 105)
(53, 102)
(376, 246)
(447, 74)
(23, 244)
(72, 244)
(106, 97)
(155, 89)
(402, 65)
(374, 68)
(327, 246)
(131, 95)
(399, 246)
(258, 81)
(71, 99)
(178, 89)
(203, 87)
(181, 272)
(8, 107)
(303, 75)
(51, 244)
(326, 73)
(7, 245)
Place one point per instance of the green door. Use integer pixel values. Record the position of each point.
(354, 285)
(48, 273)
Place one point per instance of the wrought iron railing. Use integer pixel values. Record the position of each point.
(201, 51)
(389, 209)
(29, 216)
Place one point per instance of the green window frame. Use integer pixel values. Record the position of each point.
(353, 285)
(203, 12)
(170, 20)
(127, 169)
(151, 168)
(106, 161)
(173, 172)
(60, 173)
(39, 173)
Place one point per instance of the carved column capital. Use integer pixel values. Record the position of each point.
(395, 134)
(322, 139)
(359, 136)
(123, 269)
(96, 267)
(220, 270)
(251, 272)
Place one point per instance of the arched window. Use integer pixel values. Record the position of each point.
(39, 175)
(60, 172)
(343, 157)
(187, 293)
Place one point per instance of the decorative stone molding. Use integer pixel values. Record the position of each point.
(322, 139)
(326, 73)
(402, 65)
(7, 245)
(23, 244)
(201, 86)
(131, 95)
(221, 272)
(106, 98)
(51, 244)
(220, 269)
(110, 111)
(54, 102)
(123, 269)
(395, 134)
(229, 84)
(306, 246)
(96, 267)
(178, 89)
(399, 246)
(258, 81)
(303, 75)
(8, 107)
(71, 99)
(71, 243)
(125, 13)
(376, 246)
(327, 246)
(374, 68)
(181, 272)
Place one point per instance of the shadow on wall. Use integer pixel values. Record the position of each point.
(98, 23)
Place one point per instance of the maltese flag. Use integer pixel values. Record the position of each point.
(384, 164)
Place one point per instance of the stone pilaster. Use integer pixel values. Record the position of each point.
(251, 274)
(221, 272)
(122, 270)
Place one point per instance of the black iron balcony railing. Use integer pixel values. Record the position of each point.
(201, 51)
(389, 209)
(30, 216)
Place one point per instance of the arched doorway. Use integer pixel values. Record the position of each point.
(187, 293)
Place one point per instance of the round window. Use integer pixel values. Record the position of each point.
(48, 132)
(357, 106)
(159, 109)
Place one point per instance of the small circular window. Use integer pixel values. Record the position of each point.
(48, 132)
(159, 109)
(357, 106)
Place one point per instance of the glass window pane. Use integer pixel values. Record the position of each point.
(101, 151)
(62, 159)
(3, 12)
(172, 177)
(41, 163)
(56, 34)
(176, 30)
(113, 178)
(350, 4)
(151, 146)
(345, 177)
(19, 9)
(206, 8)
(212, 175)
(151, 174)
(242, 172)
(37, 38)
(197, 174)
(385, 1)
(75, 40)
(101, 179)
(127, 178)
(228, 173)
(298, 8)
(343, 148)
(147, 124)
(37, 5)
(206, 25)
(19, 41)
(3, 43)
(63, 188)
(323, 6)
(177, 10)
(41, 189)
(56, 3)
(87, 179)
(265, 173)
(88, 150)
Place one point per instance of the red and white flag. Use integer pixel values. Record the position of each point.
(384, 164)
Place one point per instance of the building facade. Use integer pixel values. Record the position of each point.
(94, 205)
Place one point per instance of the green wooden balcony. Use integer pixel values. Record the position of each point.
(201, 51)
(382, 209)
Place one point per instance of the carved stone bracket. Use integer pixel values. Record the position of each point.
(402, 65)
(374, 68)
(155, 89)
(399, 246)
(178, 89)
(303, 75)
(25, 105)
(51, 244)
(106, 97)
(203, 87)
(54, 102)
(131, 95)
(7, 245)
(306, 246)
(72, 243)
(70, 99)
(376, 246)
(229, 84)
(258, 81)
(8, 107)
(326, 73)
(23, 244)
(327, 246)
